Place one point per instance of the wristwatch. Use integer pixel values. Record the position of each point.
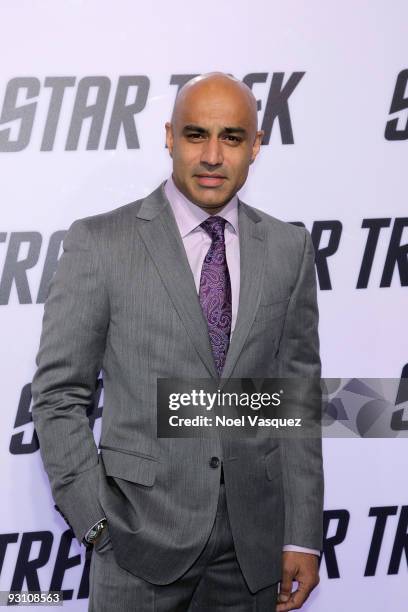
(94, 532)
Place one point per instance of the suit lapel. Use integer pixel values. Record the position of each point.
(252, 262)
(164, 244)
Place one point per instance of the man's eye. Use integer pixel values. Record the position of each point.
(232, 139)
(195, 136)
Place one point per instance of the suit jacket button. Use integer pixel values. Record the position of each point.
(214, 462)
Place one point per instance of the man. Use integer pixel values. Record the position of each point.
(189, 282)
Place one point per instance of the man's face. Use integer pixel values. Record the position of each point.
(212, 140)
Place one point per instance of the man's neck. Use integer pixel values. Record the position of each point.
(210, 210)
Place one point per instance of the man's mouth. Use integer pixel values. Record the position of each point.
(210, 180)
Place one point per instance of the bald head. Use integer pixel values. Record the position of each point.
(213, 138)
(216, 84)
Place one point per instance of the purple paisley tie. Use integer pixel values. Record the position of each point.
(215, 291)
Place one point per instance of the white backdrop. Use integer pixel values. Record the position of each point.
(340, 167)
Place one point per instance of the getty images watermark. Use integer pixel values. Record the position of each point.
(219, 400)
(282, 407)
(238, 408)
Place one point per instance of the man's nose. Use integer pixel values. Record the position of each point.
(212, 152)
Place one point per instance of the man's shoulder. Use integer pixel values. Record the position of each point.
(283, 230)
(120, 216)
(120, 221)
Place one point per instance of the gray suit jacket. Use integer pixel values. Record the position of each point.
(123, 300)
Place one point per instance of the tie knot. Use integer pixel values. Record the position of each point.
(214, 226)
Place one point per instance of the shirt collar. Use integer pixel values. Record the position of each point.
(189, 216)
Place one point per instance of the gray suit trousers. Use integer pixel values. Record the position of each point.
(213, 583)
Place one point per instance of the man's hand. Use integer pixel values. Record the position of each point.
(302, 568)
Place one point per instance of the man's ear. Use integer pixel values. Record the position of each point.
(169, 137)
(257, 145)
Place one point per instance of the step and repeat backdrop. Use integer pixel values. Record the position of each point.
(85, 90)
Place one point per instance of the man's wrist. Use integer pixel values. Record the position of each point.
(301, 549)
(94, 532)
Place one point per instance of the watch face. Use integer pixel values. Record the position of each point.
(95, 532)
(92, 535)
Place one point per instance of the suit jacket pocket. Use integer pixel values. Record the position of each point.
(269, 312)
(129, 466)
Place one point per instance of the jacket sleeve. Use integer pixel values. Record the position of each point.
(75, 325)
(302, 456)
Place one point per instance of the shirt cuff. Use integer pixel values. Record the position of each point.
(95, 524)
(293, 548)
